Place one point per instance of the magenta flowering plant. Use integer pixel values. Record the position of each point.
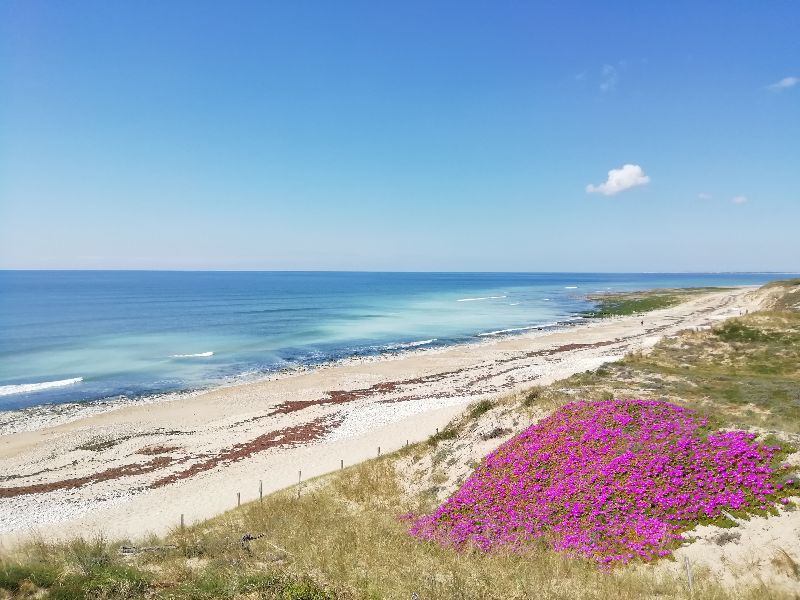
(612, 480)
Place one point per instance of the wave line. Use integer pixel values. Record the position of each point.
(482, 298)
(23, 388)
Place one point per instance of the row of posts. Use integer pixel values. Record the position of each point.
(341, 466)
(299, 481)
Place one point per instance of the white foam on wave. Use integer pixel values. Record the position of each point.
(513, 303)
(198, 355)
(512, 330)
(517, 329)
(482, 298)
(410, 344)
(570, 287)
(24, 388)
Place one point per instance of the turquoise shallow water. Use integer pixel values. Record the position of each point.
(69, 336)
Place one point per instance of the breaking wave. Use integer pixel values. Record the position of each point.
(198, 355)
(512, 330)
(410, 344)
(24, 388)
(482, 298)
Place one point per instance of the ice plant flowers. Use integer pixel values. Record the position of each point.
(612, 480)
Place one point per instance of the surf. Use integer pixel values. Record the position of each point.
(25, 388)
(407, 345)
(481, 298)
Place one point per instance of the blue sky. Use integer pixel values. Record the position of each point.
(400, 136)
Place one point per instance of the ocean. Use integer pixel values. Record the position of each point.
(88, 336)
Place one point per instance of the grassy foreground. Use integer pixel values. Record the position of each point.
(343, 538)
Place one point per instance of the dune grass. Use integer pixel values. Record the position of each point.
(345, 533)
(744, 372)
(786, 294)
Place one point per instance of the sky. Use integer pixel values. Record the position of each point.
(410, 136)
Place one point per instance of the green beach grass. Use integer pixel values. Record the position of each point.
(621, 304)
(745, 371)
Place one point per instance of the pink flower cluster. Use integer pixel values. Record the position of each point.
(611, 480)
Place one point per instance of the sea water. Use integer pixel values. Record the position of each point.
(88, 336)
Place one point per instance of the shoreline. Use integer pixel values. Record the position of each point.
(51, 414)
(136, 469)
(42, 416)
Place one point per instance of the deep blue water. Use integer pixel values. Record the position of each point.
(123, 332)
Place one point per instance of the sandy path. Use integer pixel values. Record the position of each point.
(138, 468)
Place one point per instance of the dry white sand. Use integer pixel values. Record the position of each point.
(135, 469)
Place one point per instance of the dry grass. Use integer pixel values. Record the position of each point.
(348, 534)
(745, 372)
(342, 540)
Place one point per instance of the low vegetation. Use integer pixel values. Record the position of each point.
(785, 294)
(744, 372)
(480, 408)
(342, 540)
(342, 536)
(611, 480)
(618, 304)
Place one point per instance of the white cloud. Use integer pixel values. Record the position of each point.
(620, 180)
(704, 196)
(610, 78)
(739, 199)
(784, 84)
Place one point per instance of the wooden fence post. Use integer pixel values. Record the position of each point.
(689, 575)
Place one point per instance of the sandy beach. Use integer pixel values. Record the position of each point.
(136, 469)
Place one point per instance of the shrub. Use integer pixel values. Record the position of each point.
(480, 408)
(449, 433)
(13, 576)
(735, 331)
(531, 397)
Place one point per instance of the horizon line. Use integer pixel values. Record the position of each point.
(122, 270)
